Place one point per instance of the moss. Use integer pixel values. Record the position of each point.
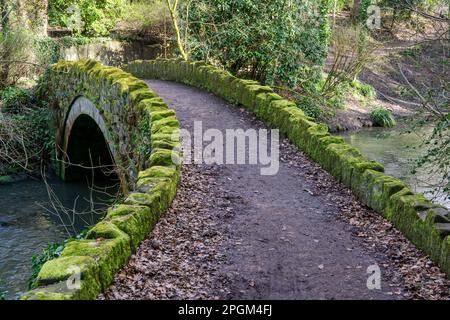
(106, 230)
(6, 180)
(63, 268)
(250, 93)
(262, 104)
(110, 255)
(151, 105)
(57, 291)
(175, 131)
(376, 190)
(159, 115)
(164, 144)
(385, 194)
(278, 118)
(135, 221)
(158, 172)
(164, 157)
(141, 94)
(152, 200)
(175, 137)
(158, 126)
(405, 216)
(59, 269)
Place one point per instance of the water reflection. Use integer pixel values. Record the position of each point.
(397, 150)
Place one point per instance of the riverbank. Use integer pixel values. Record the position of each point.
(405, 59)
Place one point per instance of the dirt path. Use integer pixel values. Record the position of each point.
(235, 234)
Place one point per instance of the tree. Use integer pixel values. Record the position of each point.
(273, 41)
(356, 9)
(174, 15)
(39, 17)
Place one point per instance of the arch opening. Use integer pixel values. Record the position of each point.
(87, 153)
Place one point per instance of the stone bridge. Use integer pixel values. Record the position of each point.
(105, 116)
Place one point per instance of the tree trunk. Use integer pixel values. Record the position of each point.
(40, 17)
(356, 10)
(18, 17)
(173, 10)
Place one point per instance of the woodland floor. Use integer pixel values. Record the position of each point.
(234, 234)
(422, 57)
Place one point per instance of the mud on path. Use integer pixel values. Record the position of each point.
(235, 234)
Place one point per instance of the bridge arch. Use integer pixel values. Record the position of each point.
(87, 145)
(140, 135)
(85, 93)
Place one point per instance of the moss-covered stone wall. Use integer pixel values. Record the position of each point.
(126, 104)
(427, 225)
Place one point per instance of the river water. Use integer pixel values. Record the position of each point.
(28, 222)
(397, 149)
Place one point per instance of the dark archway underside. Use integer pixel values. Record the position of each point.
(88, 154)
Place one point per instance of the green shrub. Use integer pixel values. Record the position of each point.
(272, 41)
(27, 131)
(15, 46)
(310, 106)
(335, 97)
(366, 90)
(382, 117)
(15, 99)
(97, 17)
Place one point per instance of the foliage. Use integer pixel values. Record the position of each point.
(342, 4)
(310, 106)
(13, 99)
(15, 55)
(26, 133)
(52, 251)
(88, 17)
(382, 117)
(364, 6)
(365, 90)
(353, 49)
(436, 159)
(273, 41)
(3, 294)
(143, 13)
(173, 7)
(48, 50)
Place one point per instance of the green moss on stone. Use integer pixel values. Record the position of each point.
(110, 255)
(158, 172)
(135, 221)
(164, 157)
(63, 268)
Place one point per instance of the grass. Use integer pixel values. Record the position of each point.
(382, 117)
(365, 90)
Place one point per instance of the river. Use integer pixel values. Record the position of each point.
(28, 222)
(397, 149)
